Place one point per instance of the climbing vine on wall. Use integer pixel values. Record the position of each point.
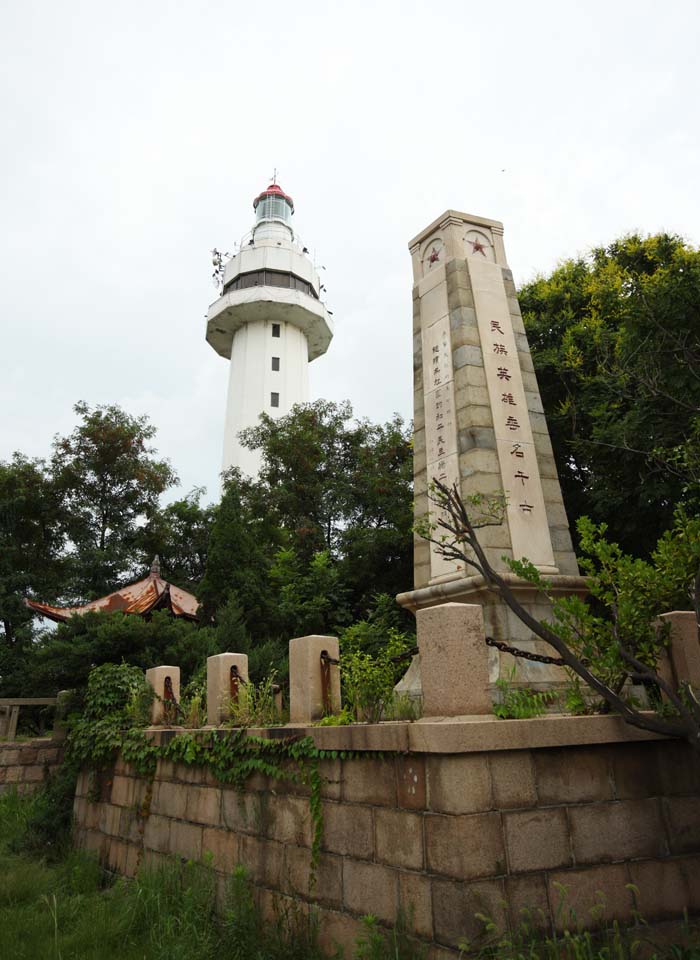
(114, 719)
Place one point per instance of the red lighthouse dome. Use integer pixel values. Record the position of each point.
(273, 204)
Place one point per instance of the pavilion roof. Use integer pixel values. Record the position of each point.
(142, 597)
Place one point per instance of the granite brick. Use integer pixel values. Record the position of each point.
(186, 840)
(456, 905)
(411, 782)
(223, 847)
(585, 897)
(661, 889)
(372, 781)
(370, 888)
(460, 783)
(682, 816)
(348, 830)
(415, 901)
(603, 832)
(465, 847)
(399, 838)
(537, 840)
(513, 779)
(572, 775)
(298, 876)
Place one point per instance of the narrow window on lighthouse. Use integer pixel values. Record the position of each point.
(274, 399)
(275, 363)
(275, 330)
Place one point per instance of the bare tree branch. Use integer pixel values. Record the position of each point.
(460, 542)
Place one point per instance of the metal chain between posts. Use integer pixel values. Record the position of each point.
(169, 699)
(235, 680)
(326, 662)
(524, 654)
(406, 655)
(491, 642)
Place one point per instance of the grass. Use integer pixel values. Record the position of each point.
(67, 908)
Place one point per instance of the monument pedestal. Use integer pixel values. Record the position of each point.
(502, 624)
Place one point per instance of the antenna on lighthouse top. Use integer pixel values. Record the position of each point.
(274, 175)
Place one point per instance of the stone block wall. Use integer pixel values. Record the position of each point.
(25, 764)
(442, 835)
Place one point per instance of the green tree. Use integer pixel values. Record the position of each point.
(344, 486)
(63, 658)
(615, 338)
(310, 597)
(109, 481)
(242, 544)
(376, 537)
(307, 459)
(31, 543)
(179, 534)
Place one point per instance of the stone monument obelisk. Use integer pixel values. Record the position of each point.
(479, 422)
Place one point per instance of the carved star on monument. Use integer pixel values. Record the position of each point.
(434, 256)
(478, 247)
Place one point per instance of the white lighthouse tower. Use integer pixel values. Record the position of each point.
(270, 322)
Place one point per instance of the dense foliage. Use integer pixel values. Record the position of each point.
(308, 547)
(615, 338)
(71, 528)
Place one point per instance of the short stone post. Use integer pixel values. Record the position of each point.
(60, 731)
(314, 678)
(166, 683)
(453, 660)
(681, 663)
(227, 674)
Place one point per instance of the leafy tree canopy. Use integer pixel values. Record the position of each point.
(305, 548)
(63, 658)
(31, 542)
(109, 482)
(179, 534)
(615, 338)
(344, 486)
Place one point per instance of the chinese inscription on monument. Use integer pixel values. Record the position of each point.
(511, 417)
(440, 419)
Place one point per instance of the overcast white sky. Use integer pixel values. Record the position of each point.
(136, 134)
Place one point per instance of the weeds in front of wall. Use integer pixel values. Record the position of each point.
(194, 711)
(399, 707)
(376, 943)
(403, 707)
(256, 705)
(341, 719)
(520, 703)
(590, 937)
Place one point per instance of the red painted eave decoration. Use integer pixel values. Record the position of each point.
(140, 598)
